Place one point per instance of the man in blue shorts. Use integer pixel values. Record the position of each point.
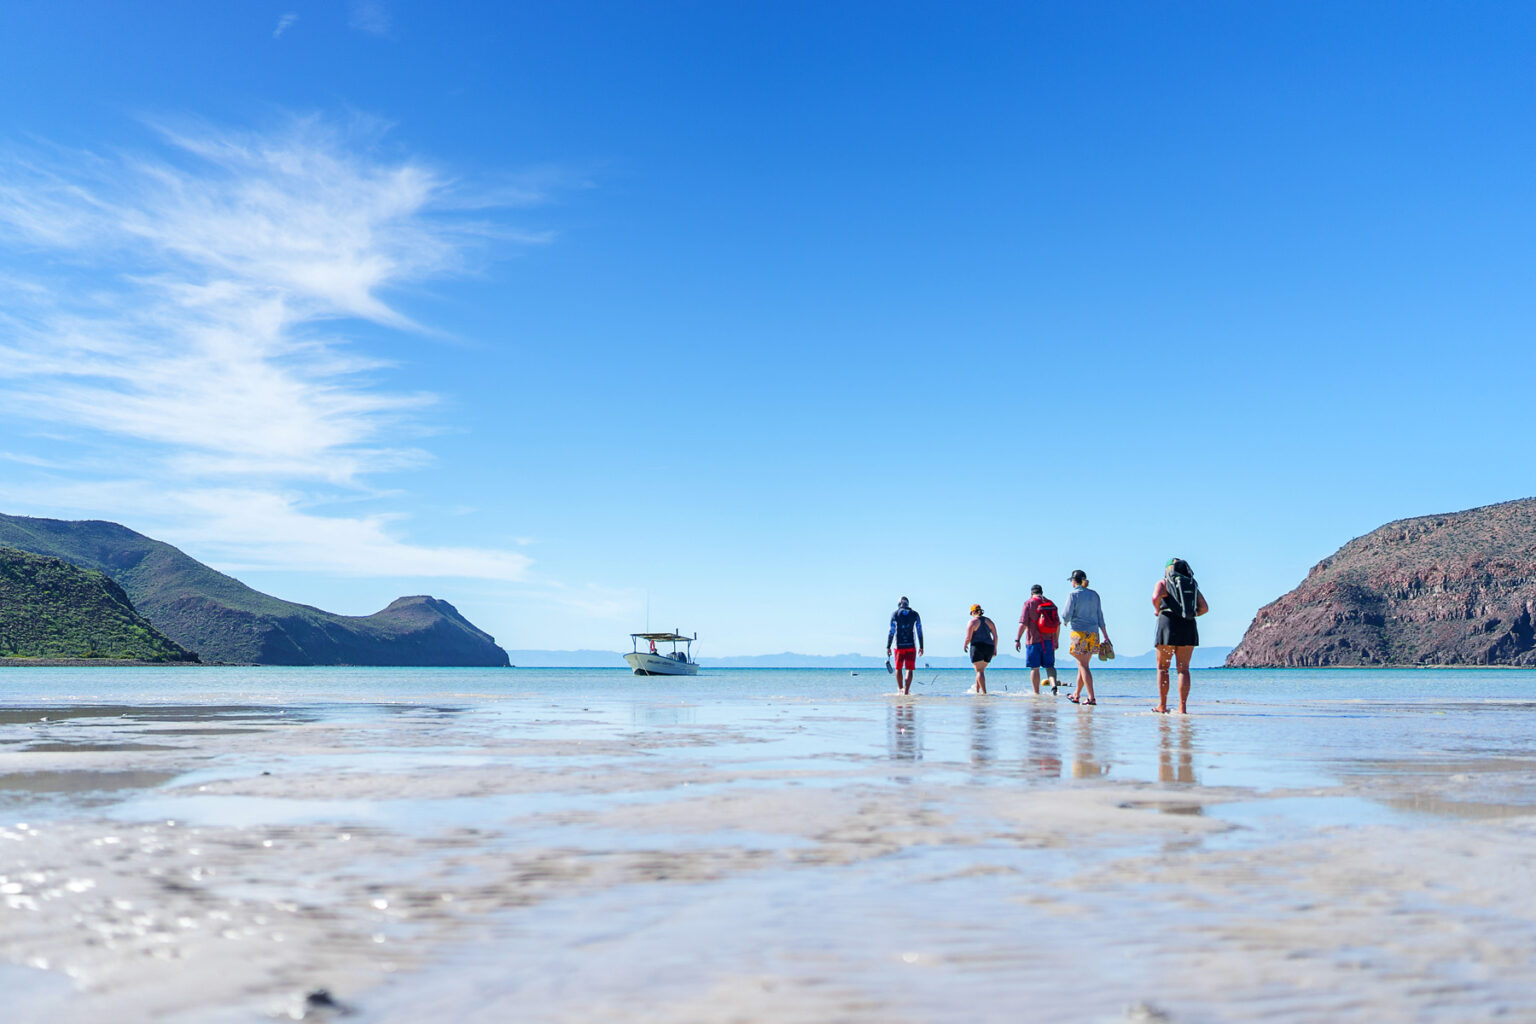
(1039, 626)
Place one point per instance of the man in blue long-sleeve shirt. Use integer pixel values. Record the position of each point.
(905, 623)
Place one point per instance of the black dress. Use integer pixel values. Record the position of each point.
(1173, 630)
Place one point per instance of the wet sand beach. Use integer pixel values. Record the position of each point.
(763, 846)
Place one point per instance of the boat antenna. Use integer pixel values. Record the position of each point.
(647, 611)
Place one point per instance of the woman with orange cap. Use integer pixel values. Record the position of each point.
(981, 641)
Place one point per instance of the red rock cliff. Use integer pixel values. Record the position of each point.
(1456, 589)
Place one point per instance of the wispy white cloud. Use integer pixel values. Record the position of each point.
(27, 460)
(371, 16)
(190, 318)
(253, 528)
(284, 24)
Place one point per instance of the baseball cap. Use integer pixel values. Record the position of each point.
(1078, 576)
(1037, 589)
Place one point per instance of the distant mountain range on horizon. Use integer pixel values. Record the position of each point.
(1205, 657)
(225, 621)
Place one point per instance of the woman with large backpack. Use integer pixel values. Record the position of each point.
(1178, 602)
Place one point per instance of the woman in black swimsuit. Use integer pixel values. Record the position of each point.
(981, 641)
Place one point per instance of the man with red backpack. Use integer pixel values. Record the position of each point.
(1039, 625)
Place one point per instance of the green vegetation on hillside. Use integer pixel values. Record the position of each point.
(224, 620)
(52, 609)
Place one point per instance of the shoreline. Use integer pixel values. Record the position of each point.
(18, 662)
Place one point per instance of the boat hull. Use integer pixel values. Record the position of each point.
(657, 665)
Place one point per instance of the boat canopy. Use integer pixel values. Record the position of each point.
(674, 637)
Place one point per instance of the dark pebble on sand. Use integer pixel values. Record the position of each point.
(322, 1000)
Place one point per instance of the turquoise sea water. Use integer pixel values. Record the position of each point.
(349, 684)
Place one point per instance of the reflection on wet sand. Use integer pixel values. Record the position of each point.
(1186, 751)
(903, 739)
(1044, 747)
(1088, 763)
(152, 713)
(663, 714)
(81, 781)
(981, 733)
(1431, 805)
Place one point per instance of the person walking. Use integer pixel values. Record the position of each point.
(1039, 626)
(1084, 617)
(981, 641)
(907, 633)
(1178, 602)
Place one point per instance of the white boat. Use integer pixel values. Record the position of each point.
(654, 663)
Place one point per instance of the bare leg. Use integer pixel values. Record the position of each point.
(1164, 656)
(981, 675)
(1084, 675)
(1184, 655)
(1034, 679)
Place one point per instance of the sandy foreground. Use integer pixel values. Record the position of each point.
(644, 859)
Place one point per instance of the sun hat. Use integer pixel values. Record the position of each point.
(1078, 576)
(975, 609)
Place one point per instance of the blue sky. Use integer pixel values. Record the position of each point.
(765, 314)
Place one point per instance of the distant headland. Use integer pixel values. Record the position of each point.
(197, 609)
(1454, 589)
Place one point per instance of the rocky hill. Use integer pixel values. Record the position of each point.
(224, 620)
(50, 608)
(1456, 589)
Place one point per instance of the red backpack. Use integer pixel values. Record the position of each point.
(1046, 619)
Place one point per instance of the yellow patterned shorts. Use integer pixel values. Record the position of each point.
(1083, 643)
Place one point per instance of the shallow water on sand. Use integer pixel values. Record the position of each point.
(780, 845)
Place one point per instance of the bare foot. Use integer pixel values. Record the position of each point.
(1161, 709)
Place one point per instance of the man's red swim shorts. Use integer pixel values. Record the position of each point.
(906, 657)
